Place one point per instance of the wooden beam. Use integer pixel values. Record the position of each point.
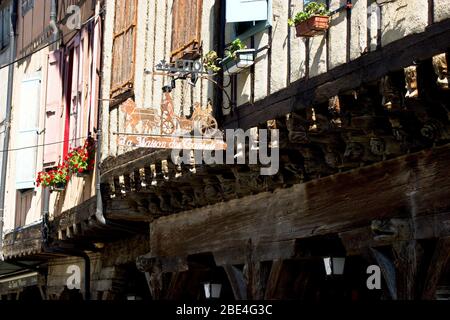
(439, 261)
(330, 205)
(367, 68)
(127, 210)
(264, 251)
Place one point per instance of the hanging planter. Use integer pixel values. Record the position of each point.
(81, 160)
(312, 21)
(241, 60)
(313, 26)
(59, 187)
(56, 179)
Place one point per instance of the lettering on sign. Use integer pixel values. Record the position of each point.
(181, 66)
(161, 142)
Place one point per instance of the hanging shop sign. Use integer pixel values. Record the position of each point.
(181, 66)
(19, 282)
(148, 128)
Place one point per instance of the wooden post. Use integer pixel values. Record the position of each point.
(237, 282)
(272, 282)
(439, 260)
(408, 257)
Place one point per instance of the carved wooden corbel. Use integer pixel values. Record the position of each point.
(411, 82)
(441, 69)
(391, 96)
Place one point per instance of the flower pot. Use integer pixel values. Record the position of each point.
(59, 187)
(313, 26)
(244, 59)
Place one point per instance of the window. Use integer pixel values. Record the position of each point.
(26, 5)
(124, 46)
(71, 105)
(248, 17)
(4, 27)
(186, 29)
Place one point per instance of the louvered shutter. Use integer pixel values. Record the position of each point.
(27, 133)
(186, 28)
(53, 111)
(246, 10)
(124, 46)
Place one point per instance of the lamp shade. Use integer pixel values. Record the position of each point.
(212, 290)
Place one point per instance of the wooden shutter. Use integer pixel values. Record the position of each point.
(124, 46)
(246, 10)
(23, 207)
(186, 29)
(27, 133)
(53, 110)
(95, 72)
(75, 94)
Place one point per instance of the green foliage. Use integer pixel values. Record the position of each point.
(210, 61)
(311, 9)
(233, 47)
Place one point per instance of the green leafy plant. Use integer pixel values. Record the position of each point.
(210, 61)
(236, 45)
(311, 9)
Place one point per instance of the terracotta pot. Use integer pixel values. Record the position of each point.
(313, 26)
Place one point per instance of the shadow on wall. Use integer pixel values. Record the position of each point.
(78, 191)
(395, 29)
(318, 57)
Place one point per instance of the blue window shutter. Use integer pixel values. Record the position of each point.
(27, 133)
(246, 10)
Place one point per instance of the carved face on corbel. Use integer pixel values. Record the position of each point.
(334, 108)
(391, 96)
(411, 82)
(441, 69)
